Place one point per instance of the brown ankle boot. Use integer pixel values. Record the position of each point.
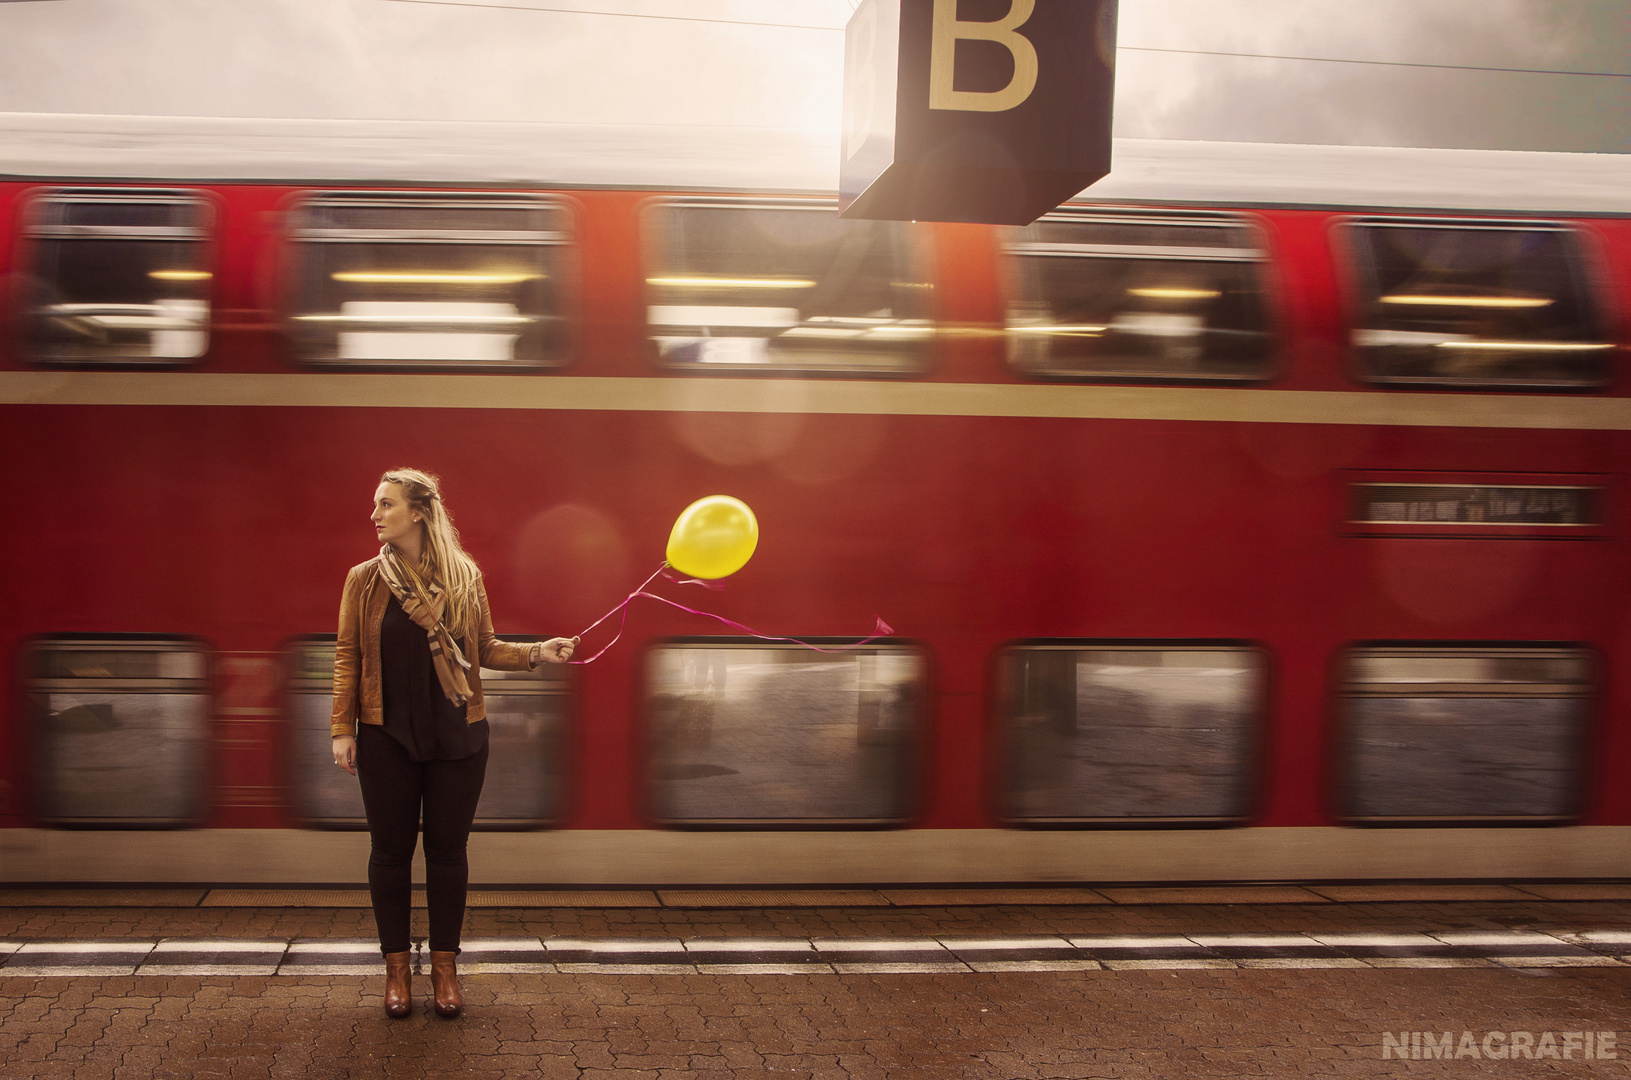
(398, 984)
(444, 983)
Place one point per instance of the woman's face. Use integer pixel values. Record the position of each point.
(394, 520)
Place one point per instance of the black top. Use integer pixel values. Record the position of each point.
(417, 713)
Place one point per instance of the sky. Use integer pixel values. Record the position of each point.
(706, 62)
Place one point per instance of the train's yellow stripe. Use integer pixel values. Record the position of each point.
(703, 394)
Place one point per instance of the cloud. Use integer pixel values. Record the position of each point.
(373, 59)
(378, 59)
(1168, 95)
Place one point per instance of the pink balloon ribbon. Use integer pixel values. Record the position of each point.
(879, 629)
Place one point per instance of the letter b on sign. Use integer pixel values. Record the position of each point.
(948, 28)
(975, 110)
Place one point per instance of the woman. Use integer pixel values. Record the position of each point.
(414, 634)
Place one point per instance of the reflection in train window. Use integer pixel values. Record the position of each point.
(1148, 732)
(1464, 734)
(781, 735)
(785, 285)
(526, 718)
(428, 279)
(118, 277)
(121, 730)
(1479, 303)
(1101, 294)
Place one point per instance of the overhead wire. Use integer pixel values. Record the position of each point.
(1377, 63)
(1119, 48)
(618, 14)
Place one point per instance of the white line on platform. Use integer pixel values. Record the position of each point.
(137, 948)
(186, 946)
(774, 956)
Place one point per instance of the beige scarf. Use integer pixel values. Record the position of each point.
(424, 603)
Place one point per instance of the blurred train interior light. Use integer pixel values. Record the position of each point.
(417, 344)
(1542, 346)
(1470, 301)
(393, 277)
(731, 283)
(1175, 294)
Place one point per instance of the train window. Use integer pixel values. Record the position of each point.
(118, 277)
(787, 286)
(1126, 733)
(428, 279)
(1139, 295)
(1464, 734)
(121, 730)
(526, 718)
(1475, 303)
(1474, 504)
(755, 734)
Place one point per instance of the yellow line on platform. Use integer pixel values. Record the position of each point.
(1350, 894)
(139, 898)
(477, 898)
(764, 898)
(926, 896)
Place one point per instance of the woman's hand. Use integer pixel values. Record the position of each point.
(345, 753)
(555, 650)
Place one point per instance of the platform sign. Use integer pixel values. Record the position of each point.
(975, 110)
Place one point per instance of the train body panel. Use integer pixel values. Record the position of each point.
(1054, 551)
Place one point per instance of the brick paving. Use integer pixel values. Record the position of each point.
(972, 1026)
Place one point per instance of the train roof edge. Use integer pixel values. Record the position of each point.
(64, 146)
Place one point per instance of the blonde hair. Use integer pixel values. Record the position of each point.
(443, 561)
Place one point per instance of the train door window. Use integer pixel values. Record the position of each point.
(1149, 732)
(322, 794)
(1464, 734)
(121, 730)
(755, 734)
(1475, 303)
(526, 718)
(1139, 295)
(117, 277)
(786, 285)
(428, 280)
(526, 762)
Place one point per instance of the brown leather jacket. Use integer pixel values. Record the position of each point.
(357, 693)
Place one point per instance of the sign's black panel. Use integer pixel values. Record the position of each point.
(975, 110)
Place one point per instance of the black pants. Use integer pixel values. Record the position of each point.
(395, 791)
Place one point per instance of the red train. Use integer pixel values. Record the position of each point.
(1258, 517)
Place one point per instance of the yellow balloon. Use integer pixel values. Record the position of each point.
(713, 538)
